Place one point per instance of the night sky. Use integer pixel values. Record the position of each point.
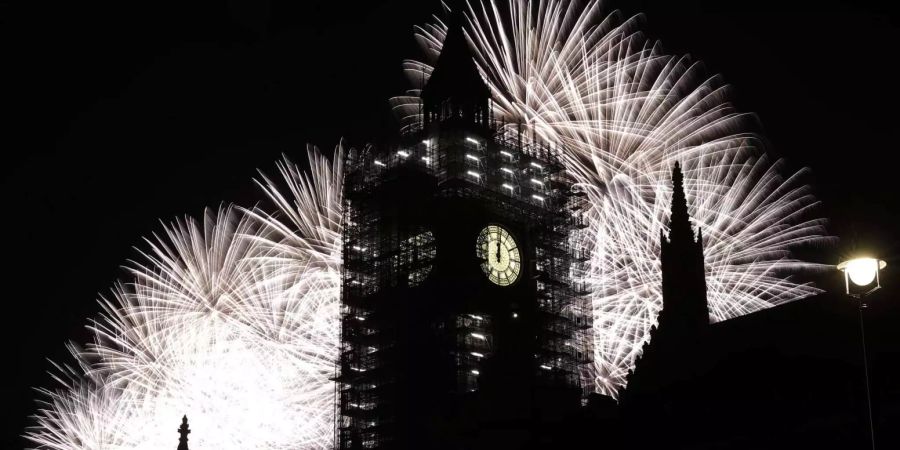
(122, 114)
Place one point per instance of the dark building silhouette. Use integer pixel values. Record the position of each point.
(461, 326)
(673, 351)
(685, 313)
(663, 381)
(699, 385)
(183, 432)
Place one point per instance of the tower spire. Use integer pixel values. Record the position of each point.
(455, 90)
(684, 318)
(679, 219)
(183, 432)
(683, 266)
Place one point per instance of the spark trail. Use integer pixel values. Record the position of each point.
(625, 111)
(234, 319)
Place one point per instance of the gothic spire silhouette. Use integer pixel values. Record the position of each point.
(683, 267)
(183, 432)
(684, 318)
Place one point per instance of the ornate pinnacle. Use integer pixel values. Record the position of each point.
(183, 431)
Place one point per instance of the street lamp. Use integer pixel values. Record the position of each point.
(861, 278)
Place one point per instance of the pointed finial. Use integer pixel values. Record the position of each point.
(183, 432)
(678, 179)
(679, 220)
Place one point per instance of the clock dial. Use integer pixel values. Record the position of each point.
(500, 255)
(416, 254)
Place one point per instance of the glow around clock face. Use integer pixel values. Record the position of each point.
(500, 253)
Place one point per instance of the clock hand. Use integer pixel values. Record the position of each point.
(498, 251)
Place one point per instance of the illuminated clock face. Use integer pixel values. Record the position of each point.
(500, 255)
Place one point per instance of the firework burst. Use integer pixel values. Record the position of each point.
(234, 319)
(624, 111)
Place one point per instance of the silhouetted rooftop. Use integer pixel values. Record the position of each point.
(455, 74)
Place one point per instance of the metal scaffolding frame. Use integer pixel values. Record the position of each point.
(520, 178)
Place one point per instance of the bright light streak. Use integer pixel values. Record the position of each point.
(472, 157)
(507, 170)
(624, 112)
(474, 174)
(403, 154)
(537, 166)
(472, 140)
(234, 319)
(508, 186)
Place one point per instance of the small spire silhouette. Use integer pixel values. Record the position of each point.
(183, 431)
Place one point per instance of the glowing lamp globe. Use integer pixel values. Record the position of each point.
(863, 273)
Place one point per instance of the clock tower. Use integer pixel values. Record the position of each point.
(461, 324)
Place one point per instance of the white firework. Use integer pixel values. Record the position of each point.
(232, 320)
(624, 112)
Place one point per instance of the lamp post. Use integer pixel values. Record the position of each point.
(861, 278)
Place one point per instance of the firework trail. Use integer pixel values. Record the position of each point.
(232, 320)
(625, 112)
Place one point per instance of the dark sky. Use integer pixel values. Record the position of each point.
(122, 114)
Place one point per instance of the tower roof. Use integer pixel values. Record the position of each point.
(455, 75)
